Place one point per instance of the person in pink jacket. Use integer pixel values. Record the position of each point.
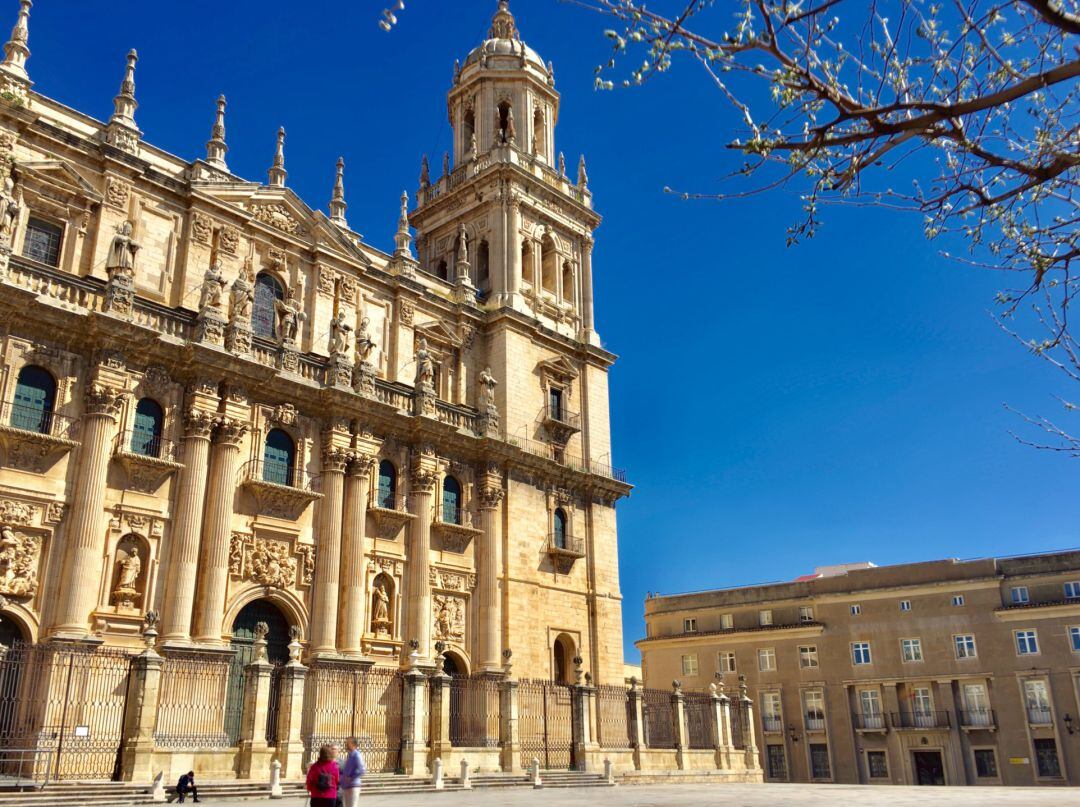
(322, 779)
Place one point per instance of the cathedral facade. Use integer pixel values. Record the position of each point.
(228, 422)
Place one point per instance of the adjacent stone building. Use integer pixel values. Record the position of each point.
(946, 672)
(231, 424)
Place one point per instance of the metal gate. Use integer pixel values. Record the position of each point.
(545, 724)
(68, 701)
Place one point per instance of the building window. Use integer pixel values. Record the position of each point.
(771, 715)
(819, 761)
(1046, 758)
(808, 658)
(776, 762)
(870, 703)
(451, 500)
(35, 395)
(958, 600)
(922, 706)
(985, 763)
(689, 665)
(806, 613)
(764, 618)
(1072, 590)
(727, 661)
(911, 650)
(1074, 639)
(814, 706)
(264, 309)
(726, 622)
(689, 626)
(555, 404)
(42, 241)
(146, 430)
(905, 605)
(1027, 643)
(559, 522)
(387, 485)
(877, 765)
(860, 653)
(1019, 595)
(856, 609)
(279, 458)
(766, 659)
(1037, 701)
(965, 645)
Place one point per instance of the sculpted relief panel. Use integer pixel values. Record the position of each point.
(19, 555)
(448, 618)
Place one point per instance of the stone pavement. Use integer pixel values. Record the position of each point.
(768, 795)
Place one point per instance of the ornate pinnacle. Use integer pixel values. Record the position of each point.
(215, 146)
(502, 24)
(337, 199)
(15, 50)
(124, 104)
(582, 176)
(425, 172)
(277, 172)
(403, 238)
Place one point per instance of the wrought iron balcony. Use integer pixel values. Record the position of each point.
(390, 512)
(282, 489)
(1039, 716)
(772, 725)
(869, 721)
(455, 527)
(814, 722)
(564, 549)
(977, 719)
(146, 458)
(939, 719)
(34, 437)
(560, 423)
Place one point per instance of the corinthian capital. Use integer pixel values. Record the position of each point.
(335, 458)
(199, 424)
(101, 399)
(230, 431)
(490, 496)
(423, 478)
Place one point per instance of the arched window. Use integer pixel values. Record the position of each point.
(451, 500)
(539, 134)
(35, 394)
(441, 271)
(467, 130)
(548, 263)
(504, 119)
(264, 311)
(483, 268)
(384, 498)
(279, 458)
(146, 430)
(527, 263)
(559, 534)
(567, 282)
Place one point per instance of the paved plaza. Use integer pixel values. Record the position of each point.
(768, 795)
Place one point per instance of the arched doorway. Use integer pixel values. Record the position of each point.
(243, 643)
(562, 667)
(10, 631)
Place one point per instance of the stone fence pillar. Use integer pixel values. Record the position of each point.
(256, 707)
(509, 738)
(439, 700)
(140, 712)
(722, 712)
(290, 745)
(678, 717)
(747, 706)
(413, 718)
(637, 721)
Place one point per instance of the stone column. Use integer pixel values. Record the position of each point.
(678, 718)
(439, 699)
(352, 597)
(213, 579)
(489, 567)
(290, 745)
(324, 593)
(418, 623)
(140, 709)
(587, 322)
(513, 248)
(509, 738)
(413, 716)
(637, 722)
(84, 541)
(179, 576)
(256, 706)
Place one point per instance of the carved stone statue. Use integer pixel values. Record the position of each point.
(122, 252)
(425, 367)
(241, 297)
(511, 130)
(9, 207)
(365, 345)
(130, 567)
(18, 562)
(446, 163)
(472, 144)
(487, 389)
(213, 286)
(462, 245)
(380, 621)
(289, 317)
(339, 334)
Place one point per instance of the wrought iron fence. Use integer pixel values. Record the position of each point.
(613, 717)
(65, 702)
(201, 701)
(545, 724)
(343, 701)
(275, 703)
(474, 712)
(659, 718)
(737, 710)
(700, 720)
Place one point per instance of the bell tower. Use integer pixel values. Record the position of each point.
(504, 224)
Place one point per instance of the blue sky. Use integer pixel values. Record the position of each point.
(777, 408)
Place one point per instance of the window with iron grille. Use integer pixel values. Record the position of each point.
(985, 763)
(819, 761)
(776, 762)
(877, 765)
(42, 241)
(1046, 757)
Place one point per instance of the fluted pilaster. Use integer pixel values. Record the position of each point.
(352, 597)
(424, 477)
(489, 566)
(328, 552)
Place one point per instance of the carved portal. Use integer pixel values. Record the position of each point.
(19, 554)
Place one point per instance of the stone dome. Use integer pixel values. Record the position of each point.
(504, 40)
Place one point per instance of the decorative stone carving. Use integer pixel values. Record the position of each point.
(129, 567)
(448, 618)
(54, 513)
(241, 298)
(278, 217)
(487, 394)
(365, 345)
(228, 240)
(451, 580)
(157, 381)
(326, 281)
(121, 258)
(101, 399)
(269, 563)
(202, 227)
(339, 334)
(307, 568)
(289, 317)
(490, 496)
(236, 553)
(10, 205)
(285, 414)
(213, 286)
(198, 423)
(380, 611)
(19, 555)
(12, 512)
(406, 309)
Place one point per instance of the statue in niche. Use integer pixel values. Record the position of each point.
(289, 317)
(128, 569)
(380, 621)
(213, 286)
(339, 334)
(122, 252)
(365, 345)
(425, 367)
(241, 298)
(511, 130)
(487, 389)
(10, 205)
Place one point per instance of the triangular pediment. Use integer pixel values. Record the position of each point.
(438, 333)
(57, 174)
(558, 368)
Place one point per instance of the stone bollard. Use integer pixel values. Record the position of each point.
(609, 772)
(466, 782)
(158, 792)
(275, 780)
(534, 773)
(436, 775)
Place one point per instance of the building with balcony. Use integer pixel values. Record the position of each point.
(946, 672)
